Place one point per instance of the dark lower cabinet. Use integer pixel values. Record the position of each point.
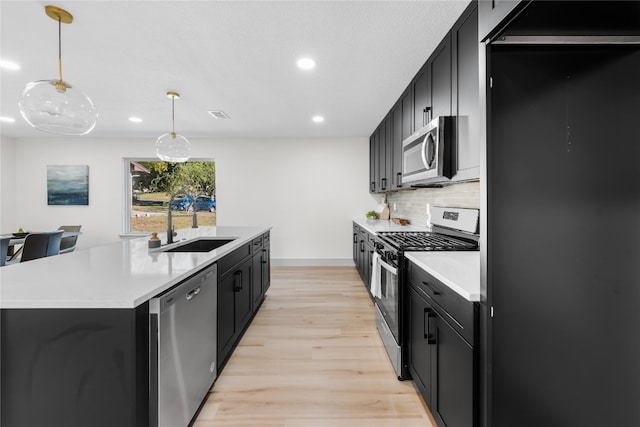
(241, 290)
(74, 367)
(261, 271)
(363, 254)
(234, 308)
(441, 361)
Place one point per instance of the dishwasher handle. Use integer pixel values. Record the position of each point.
(193, 293)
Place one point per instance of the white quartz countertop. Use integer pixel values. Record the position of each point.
(377, 225)
(459, 270)
(123, 274)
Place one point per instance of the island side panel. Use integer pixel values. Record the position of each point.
(74, 367)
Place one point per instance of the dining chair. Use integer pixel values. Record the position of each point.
(68, 244)
(40, 245)
(4, 248)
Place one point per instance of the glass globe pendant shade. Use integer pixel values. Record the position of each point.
(172, 147)
(57, 107)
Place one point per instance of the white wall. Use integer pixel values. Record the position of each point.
(308, 190)
(7, 184)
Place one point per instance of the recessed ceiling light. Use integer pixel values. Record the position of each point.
(7, 119)
(306, 63)
(317, 119)
(135, 119)
(8, 65)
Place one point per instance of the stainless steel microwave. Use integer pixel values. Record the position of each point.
(426, 154)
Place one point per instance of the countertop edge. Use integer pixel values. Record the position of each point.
(473, 295)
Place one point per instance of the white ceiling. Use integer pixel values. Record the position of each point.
(235, 56)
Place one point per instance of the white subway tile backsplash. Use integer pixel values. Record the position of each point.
(412, 204)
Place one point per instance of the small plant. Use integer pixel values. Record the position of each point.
(372, 215)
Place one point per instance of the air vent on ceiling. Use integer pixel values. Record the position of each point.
(219, 114)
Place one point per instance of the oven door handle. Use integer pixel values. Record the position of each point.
(391, 269)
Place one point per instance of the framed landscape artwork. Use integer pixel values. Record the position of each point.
(68, 185)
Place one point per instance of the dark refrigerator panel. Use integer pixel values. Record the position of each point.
(563, 180)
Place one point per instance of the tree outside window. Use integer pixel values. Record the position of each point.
(186, 188)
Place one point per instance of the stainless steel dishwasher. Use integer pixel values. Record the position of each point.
(183, 348)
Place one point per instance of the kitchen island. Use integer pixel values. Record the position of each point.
(75, 340)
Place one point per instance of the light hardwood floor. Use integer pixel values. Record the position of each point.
(313, 358)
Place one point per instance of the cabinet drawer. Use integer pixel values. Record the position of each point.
(456, 310)
(371, 238)
(257, 244)
(229, 261)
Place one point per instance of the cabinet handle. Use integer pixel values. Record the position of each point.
(431, 288)
(383, 183)
(399, 180)
(264, 258)
(361, 245)
(355, 238)
(237, 278)
(429, 316)
(373, 187)
(426, 116)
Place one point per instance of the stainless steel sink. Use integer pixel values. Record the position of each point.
(200, 245)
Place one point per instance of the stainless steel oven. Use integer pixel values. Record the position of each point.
(454, 229)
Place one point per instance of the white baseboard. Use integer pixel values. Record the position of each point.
(312, 262)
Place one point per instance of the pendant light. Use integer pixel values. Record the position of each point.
(56, 106)
(172, 147)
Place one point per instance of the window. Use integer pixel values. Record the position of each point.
(155, 186)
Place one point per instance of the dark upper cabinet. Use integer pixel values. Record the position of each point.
(396, 146)
(440, 78)
(466, 96)
(381, 158)
(421, 98)
(388, 154)
(407, 114)
(432, 86)
(373, 167)
(446, 85)
(495, 14)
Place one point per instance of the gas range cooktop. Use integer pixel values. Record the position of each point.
(426, 241)
(453, 229)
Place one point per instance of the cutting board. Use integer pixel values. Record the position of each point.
(385, 212)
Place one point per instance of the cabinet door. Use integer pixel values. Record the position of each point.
(226, 317)
(256, 280)
(396, 146)
(373, 166)
(388, 153)
(355, 245)
(266, 267)
(421, 317)
(407, 113)
(466, 96)
(421, 98)
(440, 78)
(452, 396)
(381, 147)
(243, 295)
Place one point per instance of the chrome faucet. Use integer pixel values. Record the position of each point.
(171, 232)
